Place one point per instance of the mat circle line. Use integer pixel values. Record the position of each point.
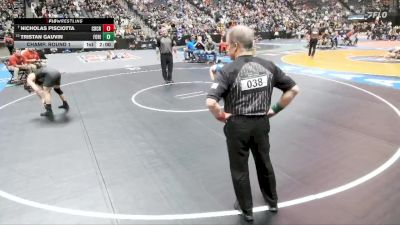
(168, 110)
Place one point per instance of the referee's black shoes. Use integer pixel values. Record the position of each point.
(273, 208)
(247, 215)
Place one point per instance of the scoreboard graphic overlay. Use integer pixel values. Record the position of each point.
(64, 33)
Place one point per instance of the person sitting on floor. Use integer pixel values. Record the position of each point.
(393, 53)
(110, 55)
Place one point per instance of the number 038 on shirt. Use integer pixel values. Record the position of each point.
(254, 83)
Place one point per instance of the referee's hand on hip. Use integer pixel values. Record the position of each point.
(271, 113)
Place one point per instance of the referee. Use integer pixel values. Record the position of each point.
(314, 36)
(165, 47)
(246, 87)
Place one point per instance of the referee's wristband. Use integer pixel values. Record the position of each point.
(276, 108)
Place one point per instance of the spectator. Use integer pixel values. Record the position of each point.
(17, 63)
(210, 47)
(9, 43)
(190, 48)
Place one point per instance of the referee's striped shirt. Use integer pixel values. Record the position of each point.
(246, 85)
(165, 44)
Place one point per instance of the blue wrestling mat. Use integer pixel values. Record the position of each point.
(4, 76)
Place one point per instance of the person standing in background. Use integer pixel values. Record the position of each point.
(165, 50)
(9, 43)
(314, 36)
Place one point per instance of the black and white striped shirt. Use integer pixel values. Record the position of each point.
(165, 45)
(246, 85)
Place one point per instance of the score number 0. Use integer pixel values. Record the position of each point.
(108, 27)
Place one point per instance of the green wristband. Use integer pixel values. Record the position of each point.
(276, 108)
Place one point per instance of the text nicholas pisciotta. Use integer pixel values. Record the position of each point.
(46, 28)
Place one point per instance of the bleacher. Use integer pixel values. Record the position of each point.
(127, 23)
(8, 11)
(363, 6)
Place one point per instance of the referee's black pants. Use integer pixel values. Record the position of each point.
(312, 47)
(167, 63)
(11, 49)
(244, 134)
(334, 42)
